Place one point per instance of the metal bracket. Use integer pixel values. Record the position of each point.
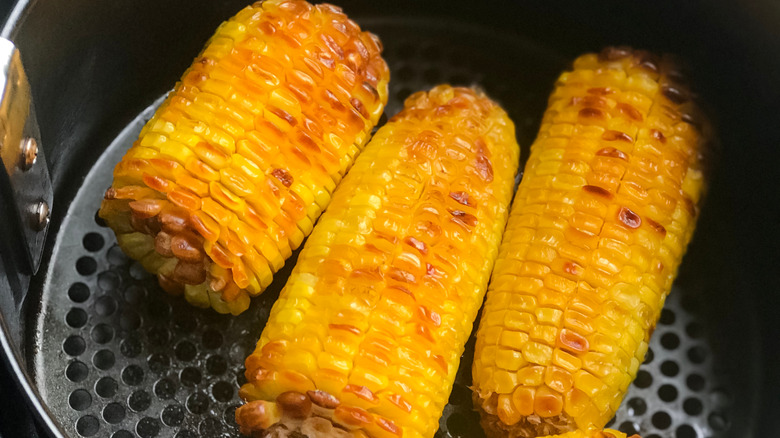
(25, 186)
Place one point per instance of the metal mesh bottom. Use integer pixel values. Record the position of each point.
(117, 357)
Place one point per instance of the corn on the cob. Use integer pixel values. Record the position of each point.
(366, 336)
(606, 433)
(598, 228)
(234, 168)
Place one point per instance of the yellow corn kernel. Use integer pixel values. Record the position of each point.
(599, 225)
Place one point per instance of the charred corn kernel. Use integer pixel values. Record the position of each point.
(589, 256)
(393, 275)
(240, 160)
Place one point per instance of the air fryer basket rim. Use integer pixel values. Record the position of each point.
(752, 246)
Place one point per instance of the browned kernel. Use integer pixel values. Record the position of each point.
(361, 392)
(352, 416)
(676, 95)
(189, 273)
(630, 112)
(254, 415)
(592, 113)
(186, 248)
(389, 426)
(174, 221)
(169, 285)
(284, 115)
(346, 327)
(646, 60)
(629, 218)
(658, 135)
(146, 208)
(323, 399)
(612, 152)
(614, 53)
(601, 91)
(483, 165)
(418, 245)
(462, 198)
(399, 401)
(283, 176)
(572, 342)
(162, 244)
(656, 226)
(463, 217)
(401, 275)
(690, 206)
(294, 404)
(572, 268)
(596, 190)
(610, 135)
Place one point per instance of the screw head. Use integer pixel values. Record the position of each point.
(29, 152)
(40, 215)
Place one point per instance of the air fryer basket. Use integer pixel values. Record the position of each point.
(111, 354)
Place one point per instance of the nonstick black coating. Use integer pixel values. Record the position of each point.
(95, 65)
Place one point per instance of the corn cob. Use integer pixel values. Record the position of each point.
(366, 336)
(606, 433)
(230, 174)
(598, 227)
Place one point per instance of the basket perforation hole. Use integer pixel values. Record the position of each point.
(693, 406)
(122, 434)
(197, 403)
(148, 427)
(158, 362)
(670, 341)
(139, 401)
(102, 333)
(694, 330)
(105, 305)
(87, 425)
(667, 316)
(211, 339)
(643, 379)
(216, 365)
(222, 391)
(130, 347)
(134, 295)
(164, 389)
(190, 376)
(184, 322)
(697, 354)
(685, 431)
(670, 368)
(104, 359)
(661, 420)
(173, 415)
(114, 413)
(667, 393)
(106, 387)
(99, 220)
(185, 351)
(695, 382)
(86, 265)
(637, 406)
(93, 242)
(76, 371)
(158, 335)
(628, 427)
(108, 281)
(210, 427)
(129, 320)
(116, 257)
(76, 317)
(229, 416)
(133, 375)
(80, 400)
(78, 292)
(649, 356)
(718, 421)
(74, 345)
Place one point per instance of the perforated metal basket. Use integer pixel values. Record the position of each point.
(110, 354)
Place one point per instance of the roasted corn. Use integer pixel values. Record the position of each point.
(230, 174)
(598, 227)
(366, 336)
